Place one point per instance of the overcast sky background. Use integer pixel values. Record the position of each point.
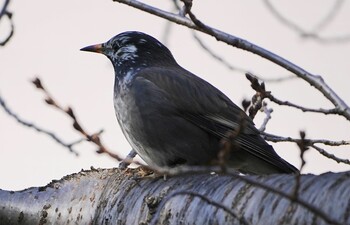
(46, 43)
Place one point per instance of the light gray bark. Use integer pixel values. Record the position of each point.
(112, 197)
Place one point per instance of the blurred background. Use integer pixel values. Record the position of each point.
(46, 42)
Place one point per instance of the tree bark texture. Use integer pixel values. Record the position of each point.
(111, 196)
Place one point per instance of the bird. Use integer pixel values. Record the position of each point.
(171, 117)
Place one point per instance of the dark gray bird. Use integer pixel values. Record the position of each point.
(171, 117)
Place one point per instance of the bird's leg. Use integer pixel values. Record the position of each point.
(127, 161)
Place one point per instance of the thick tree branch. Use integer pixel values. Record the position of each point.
(207, 200)
(114, 197)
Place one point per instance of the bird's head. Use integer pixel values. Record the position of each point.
(133, 49)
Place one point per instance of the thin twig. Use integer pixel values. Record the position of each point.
(265, 94)
(261, 94)
(36, 127)
(85, 139)
(229, 144)
(272, 80)
(235, 68)
(311, 34)
(303, 145)
(257, 100)
(312, 142)
(275, 138)
(216, 56)
(302, 108)
(267, 118)
(5, 12)
(331, 156)
(330, 16)
(94, 138)
(255, 105)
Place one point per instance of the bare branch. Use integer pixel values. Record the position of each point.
(311, 142)
(267, 118)
(261, 93)
(5, 13)
(331, 156)
(311, 34)
(216, 56)
(258, 104)
(37, 128)
(94, 138)
(330, 16)
(257, 100)
(235, 68)
(303, 145)
(275, 138)
(229, 144)
(271, 80)
(302, 108)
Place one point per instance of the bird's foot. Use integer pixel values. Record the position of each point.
(128, 160)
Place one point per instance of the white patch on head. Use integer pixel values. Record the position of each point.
(126, 53)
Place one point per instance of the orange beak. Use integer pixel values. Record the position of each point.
(93, 48)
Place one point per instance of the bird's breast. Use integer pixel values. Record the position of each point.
(124, 107)
(124, 103)
(130, 122)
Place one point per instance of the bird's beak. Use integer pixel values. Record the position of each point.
(93, 48)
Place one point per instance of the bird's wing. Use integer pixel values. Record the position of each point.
(196, 99)
(207, 107)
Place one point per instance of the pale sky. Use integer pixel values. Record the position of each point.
(46, 43)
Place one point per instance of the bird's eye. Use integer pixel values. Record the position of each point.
(119, 53)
